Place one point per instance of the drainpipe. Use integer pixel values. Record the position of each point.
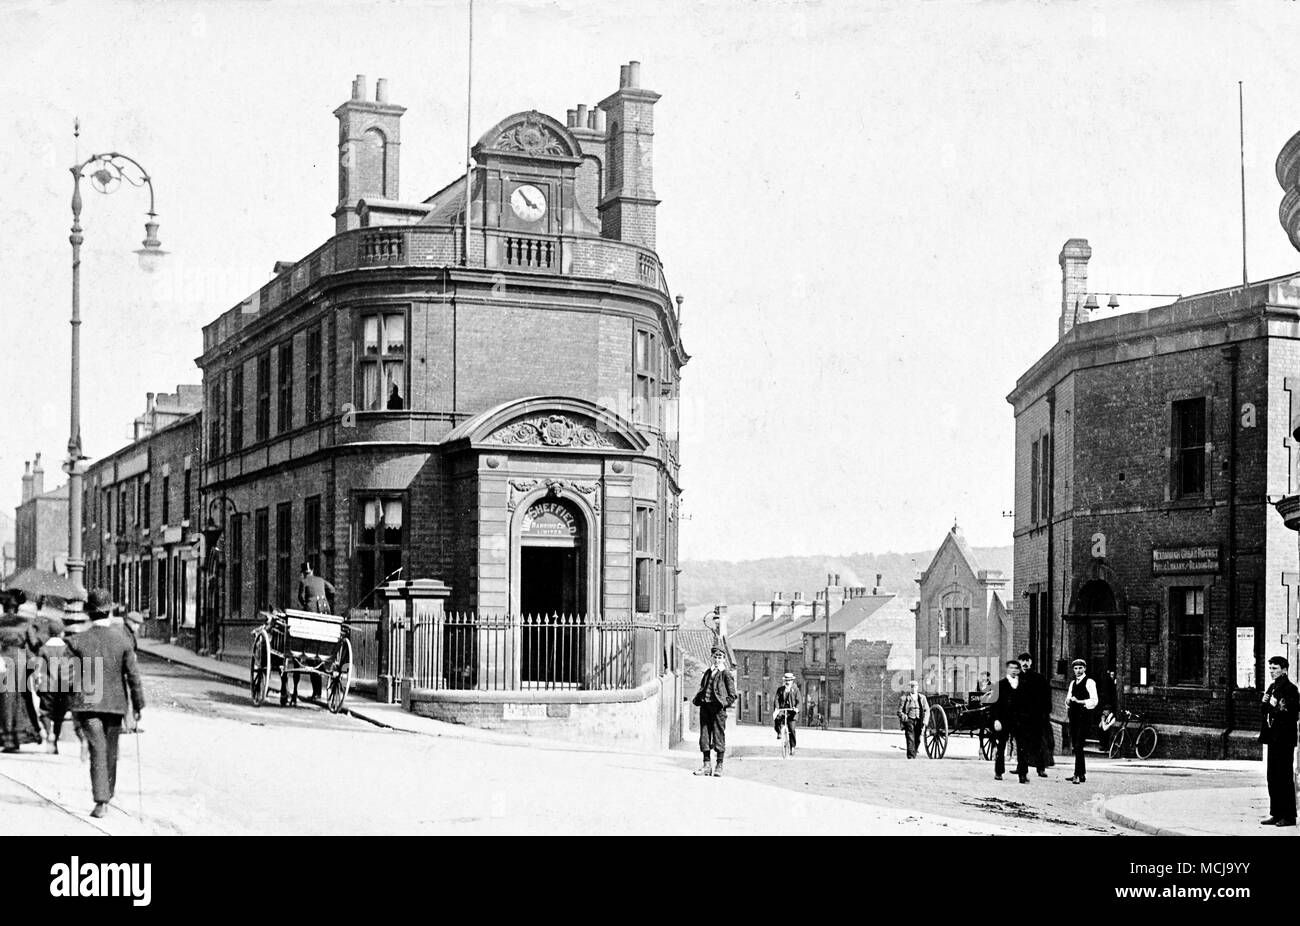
(1231, 353)
(1049, 624)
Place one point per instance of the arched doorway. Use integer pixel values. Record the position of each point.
(552, 593)
(1096, 630)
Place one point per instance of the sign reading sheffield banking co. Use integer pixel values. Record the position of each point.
(1182, 561)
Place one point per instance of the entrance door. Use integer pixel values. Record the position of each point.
(548, 581)
(552, 596)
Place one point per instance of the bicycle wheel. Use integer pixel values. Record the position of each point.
(1117, 738)
(785, 741)
(1145, 746)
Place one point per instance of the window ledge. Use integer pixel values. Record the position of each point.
(1190, 503)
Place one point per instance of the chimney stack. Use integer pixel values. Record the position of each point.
(829, 576)
(368, 153)
(837, 580)
(1074, 284)
(27, 480)
(38, 478)
(622, 76)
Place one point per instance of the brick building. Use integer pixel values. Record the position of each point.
(872, 654)
(41, 523)
(964, 624)
(141, 518)
(503, 420)
(1147, 446)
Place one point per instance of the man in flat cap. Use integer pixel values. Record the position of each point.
(787, 707)
(1281, 705)
(1080, 701)
(717, 693)
(100, 712)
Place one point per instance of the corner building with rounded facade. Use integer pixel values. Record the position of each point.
(503, 420)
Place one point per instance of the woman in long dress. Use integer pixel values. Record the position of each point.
(16, 636)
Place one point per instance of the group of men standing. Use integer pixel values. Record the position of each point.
(1023, 710)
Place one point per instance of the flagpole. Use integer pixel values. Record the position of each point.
(1241, 120)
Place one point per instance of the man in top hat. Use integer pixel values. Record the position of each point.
(100, 712)
(717, 693)
(1281, 704)
(1080, 701)
(787, 707)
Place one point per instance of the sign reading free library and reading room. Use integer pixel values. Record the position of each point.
(1181, 561)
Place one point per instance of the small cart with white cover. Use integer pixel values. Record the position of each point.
(296, 643)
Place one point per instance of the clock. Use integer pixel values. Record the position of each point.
(528, 202)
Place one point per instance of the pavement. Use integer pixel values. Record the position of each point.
(41, 793)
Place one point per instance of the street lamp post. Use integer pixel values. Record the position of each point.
(212, 533)
(106, 172)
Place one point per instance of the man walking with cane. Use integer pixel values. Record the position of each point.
(100, 712)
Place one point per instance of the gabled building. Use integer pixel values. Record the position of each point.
(964, 624)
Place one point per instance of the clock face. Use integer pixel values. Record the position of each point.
(528, 202)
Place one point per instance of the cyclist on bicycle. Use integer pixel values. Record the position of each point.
(787, 707)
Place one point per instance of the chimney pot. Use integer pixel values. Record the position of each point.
(622, 76)
(381, 90)
(837, 580)
(878, 578)
(582, 115)
(829, 576)
(359, 87)
(571, 118)
(599, 116)
(634, 74)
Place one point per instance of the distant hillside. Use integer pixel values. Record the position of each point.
(711, 581)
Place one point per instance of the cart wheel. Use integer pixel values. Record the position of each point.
(1117, 738)
(341, 677)
(986, 743)
(1145, 746)
(260, 669)
(936, 733)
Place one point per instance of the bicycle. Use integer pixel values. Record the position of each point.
(786, 748)
(1144, 743)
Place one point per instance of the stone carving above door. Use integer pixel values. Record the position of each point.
(521, 487)
(553, 431)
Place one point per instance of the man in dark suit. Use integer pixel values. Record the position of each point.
(1281, 703)
(1035, 717)
(787, 707)
(717, 693)
(1003, 713)
(99, 708)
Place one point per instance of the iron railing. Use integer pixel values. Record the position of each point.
(467, 651)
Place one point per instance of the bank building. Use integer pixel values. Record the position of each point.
(477, 388)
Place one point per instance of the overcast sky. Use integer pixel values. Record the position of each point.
(863, 206)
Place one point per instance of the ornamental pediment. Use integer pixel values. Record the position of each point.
(568, 431)
(531, 134)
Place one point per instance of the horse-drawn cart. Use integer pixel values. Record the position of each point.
(301, 643)
(971, 717)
